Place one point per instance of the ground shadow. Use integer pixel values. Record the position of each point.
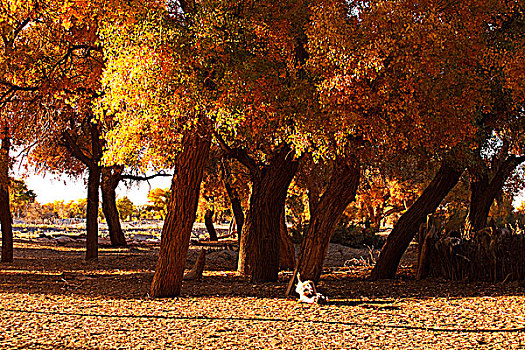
(127, 273)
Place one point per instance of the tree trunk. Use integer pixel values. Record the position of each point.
(260, 238)
(196, 271)
(182, 208)
(236, 208)
(92, 213)
(326, 214)
(208, 222)
(287, 251)
(110, 179)
(481, 198)
(407, 226)
(91, 160)
(424, 249)
(483, 192)
(6, 219)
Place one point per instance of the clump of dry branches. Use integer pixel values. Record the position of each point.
(491, 254)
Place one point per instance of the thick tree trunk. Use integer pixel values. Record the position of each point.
(481, 198)
(287, 251)
(182, 207)
(92, 213)
(483, 192)
(407, 226)
(208, 222)
(110, 179)
(326, 214)
(260, 238)
(6, 219)
(236, 208)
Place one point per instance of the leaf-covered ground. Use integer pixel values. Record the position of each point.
(52, 299)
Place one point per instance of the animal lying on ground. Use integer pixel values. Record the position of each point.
(308, 293)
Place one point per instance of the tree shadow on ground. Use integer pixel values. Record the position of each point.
(126, 273)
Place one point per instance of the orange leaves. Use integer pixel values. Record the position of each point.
(404, 73)
(515, 72)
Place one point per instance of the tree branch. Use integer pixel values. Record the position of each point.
(506, 169)
(144, 178)
(238, 153)
(18, 87)
(75, 150)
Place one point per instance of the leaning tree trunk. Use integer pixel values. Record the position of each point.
(408, 224)
(260, 238)
(6, 219)
(238, 213)
(92, 213)
(287, 251)
(483, 192)
(326, 214)
(208, 222)
(110, 179)
(182, 208)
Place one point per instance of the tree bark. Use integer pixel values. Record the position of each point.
(6, 219)
(325, 215)
(482, 196)
(208, 222)
(259, 249)
(236, 207)
(483, 191)
(287, 251)
(92, 213)
(182, 208)
(423, 262)
(110, 180)
(408, 224)
(196, 271)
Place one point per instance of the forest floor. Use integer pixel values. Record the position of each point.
(52, 299)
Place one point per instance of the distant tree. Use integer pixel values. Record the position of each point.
(45, 213)
(297, 212)
(77, 209)
(236, 183)
(125, 208)
(383, 196)
(159, 199)
(20, 197)
(519, 214)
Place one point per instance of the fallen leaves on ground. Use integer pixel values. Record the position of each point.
(52, 299)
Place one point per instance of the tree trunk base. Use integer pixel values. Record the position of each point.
(196, 272)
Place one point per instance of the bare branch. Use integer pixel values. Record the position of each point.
(144, 178)
(76, 151)
(238, 153)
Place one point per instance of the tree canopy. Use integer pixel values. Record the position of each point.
(364, 100)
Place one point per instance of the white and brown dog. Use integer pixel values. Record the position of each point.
(308, 293)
